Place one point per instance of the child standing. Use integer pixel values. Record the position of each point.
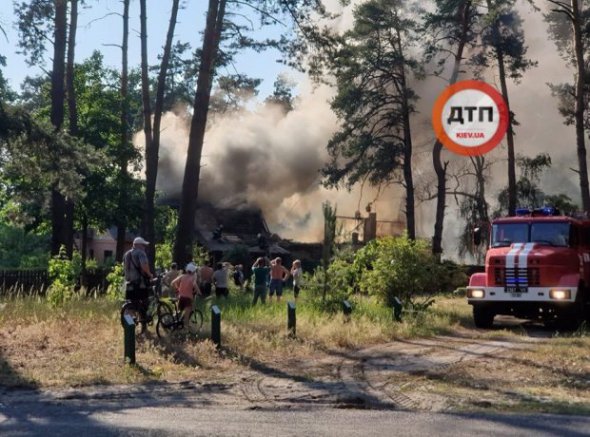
(297, 273)
(186, 287)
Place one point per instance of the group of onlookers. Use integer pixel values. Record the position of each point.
(267, 276)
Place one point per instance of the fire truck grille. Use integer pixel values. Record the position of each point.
(511, 277)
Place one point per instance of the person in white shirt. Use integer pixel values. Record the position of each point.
(297, 273)
(220, 281)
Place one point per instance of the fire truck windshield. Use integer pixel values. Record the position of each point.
(551, 234)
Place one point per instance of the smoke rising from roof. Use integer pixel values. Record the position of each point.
(266, 158)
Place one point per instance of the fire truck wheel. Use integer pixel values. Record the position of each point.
(483, 318)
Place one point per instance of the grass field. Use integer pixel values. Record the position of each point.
(81, 344)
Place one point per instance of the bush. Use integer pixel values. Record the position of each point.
(64, 274)
(115, 278)
(59, 293)
(163, 256)
(22, 250)
(396, 267)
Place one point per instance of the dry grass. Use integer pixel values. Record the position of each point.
(81, 344)
(552, 376)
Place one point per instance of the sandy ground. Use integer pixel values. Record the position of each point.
(378, 377)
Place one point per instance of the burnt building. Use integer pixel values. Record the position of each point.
(223, 231)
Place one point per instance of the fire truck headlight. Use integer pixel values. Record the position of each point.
(476, 294)
(560, 294)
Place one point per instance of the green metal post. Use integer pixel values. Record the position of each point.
(216, 325)
(291, 319)
(129, 338)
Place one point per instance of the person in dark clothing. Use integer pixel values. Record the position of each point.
(260, 272)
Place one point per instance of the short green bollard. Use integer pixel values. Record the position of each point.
(129, 339)
(397, 309)
(346, 309)
(216, 325)
(291, 319)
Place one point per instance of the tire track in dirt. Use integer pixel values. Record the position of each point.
(385, 365)
(386, 376)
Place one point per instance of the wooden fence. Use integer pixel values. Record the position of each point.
(23, 281)
(37, 281)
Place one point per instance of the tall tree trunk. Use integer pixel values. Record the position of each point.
(148, 213)
(440, 167)
(580, 106)
(123, 156)
(408, 177)
(480, 194)
(57, 117)
(509, 132)
(73, 119)
(509, 137)
(190, 186)
(153, 147)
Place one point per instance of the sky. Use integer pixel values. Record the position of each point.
(100, 27)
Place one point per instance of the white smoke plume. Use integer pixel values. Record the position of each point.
(264, 157)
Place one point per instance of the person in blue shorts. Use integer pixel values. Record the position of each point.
(278, 275)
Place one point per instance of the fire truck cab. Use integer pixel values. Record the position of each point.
(537, 267)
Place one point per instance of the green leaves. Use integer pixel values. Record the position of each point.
(372, 66)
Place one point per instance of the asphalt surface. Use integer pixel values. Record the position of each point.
(43, 414)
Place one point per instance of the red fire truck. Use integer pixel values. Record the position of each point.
(537, 267)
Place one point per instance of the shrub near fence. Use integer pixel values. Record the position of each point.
(23, 280)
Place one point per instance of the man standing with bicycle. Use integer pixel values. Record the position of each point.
(137, 274)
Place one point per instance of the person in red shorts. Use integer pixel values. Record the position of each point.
(186, 287)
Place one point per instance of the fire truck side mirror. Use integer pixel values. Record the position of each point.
(477, 236)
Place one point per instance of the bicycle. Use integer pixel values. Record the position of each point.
(143, 312)
(169, 324)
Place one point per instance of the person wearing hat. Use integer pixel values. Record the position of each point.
(137, 271)
(186, 287)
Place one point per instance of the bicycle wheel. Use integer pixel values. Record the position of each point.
(166, 326)
(165, 307)
(134, 311)
(195, 321)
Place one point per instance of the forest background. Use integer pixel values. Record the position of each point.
(291, 140)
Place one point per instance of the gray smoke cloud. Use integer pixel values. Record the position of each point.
(263, 157)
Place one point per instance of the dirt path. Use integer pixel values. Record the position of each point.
(387, 376)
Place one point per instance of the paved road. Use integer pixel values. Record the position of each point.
(43, 413)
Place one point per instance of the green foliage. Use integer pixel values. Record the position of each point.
(396, 267)
(329, 240)
(21, 249)
(384, 269)
(115, 279)
(282, 94)
(200, 255)
(372, 64)
(163, 255)
(503, 35)
(64, 274)
(528, 191)
(64, 270)
(59, 293)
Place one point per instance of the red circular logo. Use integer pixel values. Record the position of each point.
(470, 117)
